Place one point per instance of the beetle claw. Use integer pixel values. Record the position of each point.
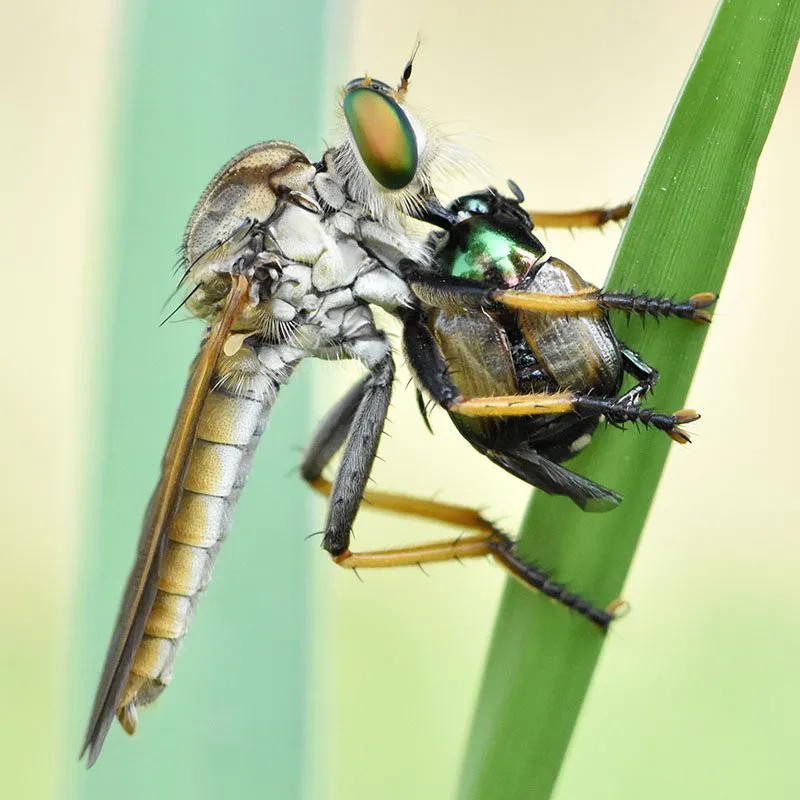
(701, 301)
(618, 608)
(679, 435)
(685, 416)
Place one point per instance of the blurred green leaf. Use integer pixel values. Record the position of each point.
(679, 241)
(192, 93)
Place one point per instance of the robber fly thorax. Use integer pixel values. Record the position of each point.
(284, 259)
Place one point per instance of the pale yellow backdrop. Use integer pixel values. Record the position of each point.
(58, 64)
(569, 99)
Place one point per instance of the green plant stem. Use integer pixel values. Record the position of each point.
(679, 239)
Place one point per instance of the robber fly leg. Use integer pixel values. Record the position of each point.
(615, 409)
(532, 576)
(357, 421)
(489, 541)
(331, 433)
(350, 424)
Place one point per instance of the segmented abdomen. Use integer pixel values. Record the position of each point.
(228, 432)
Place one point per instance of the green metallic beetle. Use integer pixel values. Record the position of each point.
(499, 320)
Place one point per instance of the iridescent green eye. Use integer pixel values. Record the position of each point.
(384, 136)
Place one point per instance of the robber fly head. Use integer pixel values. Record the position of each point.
(390, 157)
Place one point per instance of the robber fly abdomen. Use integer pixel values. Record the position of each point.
(228, 431)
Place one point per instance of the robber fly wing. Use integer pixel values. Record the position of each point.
(142, 585)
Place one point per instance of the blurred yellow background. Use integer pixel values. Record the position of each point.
(697, 692)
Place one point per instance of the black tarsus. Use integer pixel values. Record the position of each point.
(505, 551)
(652, 305)
(618, 412)
(513, 186)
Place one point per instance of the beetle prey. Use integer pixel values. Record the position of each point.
(283, 258)
(459, 340)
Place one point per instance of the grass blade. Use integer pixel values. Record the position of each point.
(680, 239)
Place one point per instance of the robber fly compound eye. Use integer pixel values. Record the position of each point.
(383, 134)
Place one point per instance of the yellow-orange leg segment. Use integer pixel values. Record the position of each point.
(516, 405)
(585, 218)
(463, 516)
(489, 542)
(586, 301)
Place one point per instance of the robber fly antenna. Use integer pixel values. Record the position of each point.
(402, 89)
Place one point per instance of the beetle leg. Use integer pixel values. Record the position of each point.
(457, 294)
(585, 218)
(693, 309)
(646, 375)
(425, 358)
(591, 300)
(527, 464)
(612, 408)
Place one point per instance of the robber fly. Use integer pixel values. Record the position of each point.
(283, 259)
